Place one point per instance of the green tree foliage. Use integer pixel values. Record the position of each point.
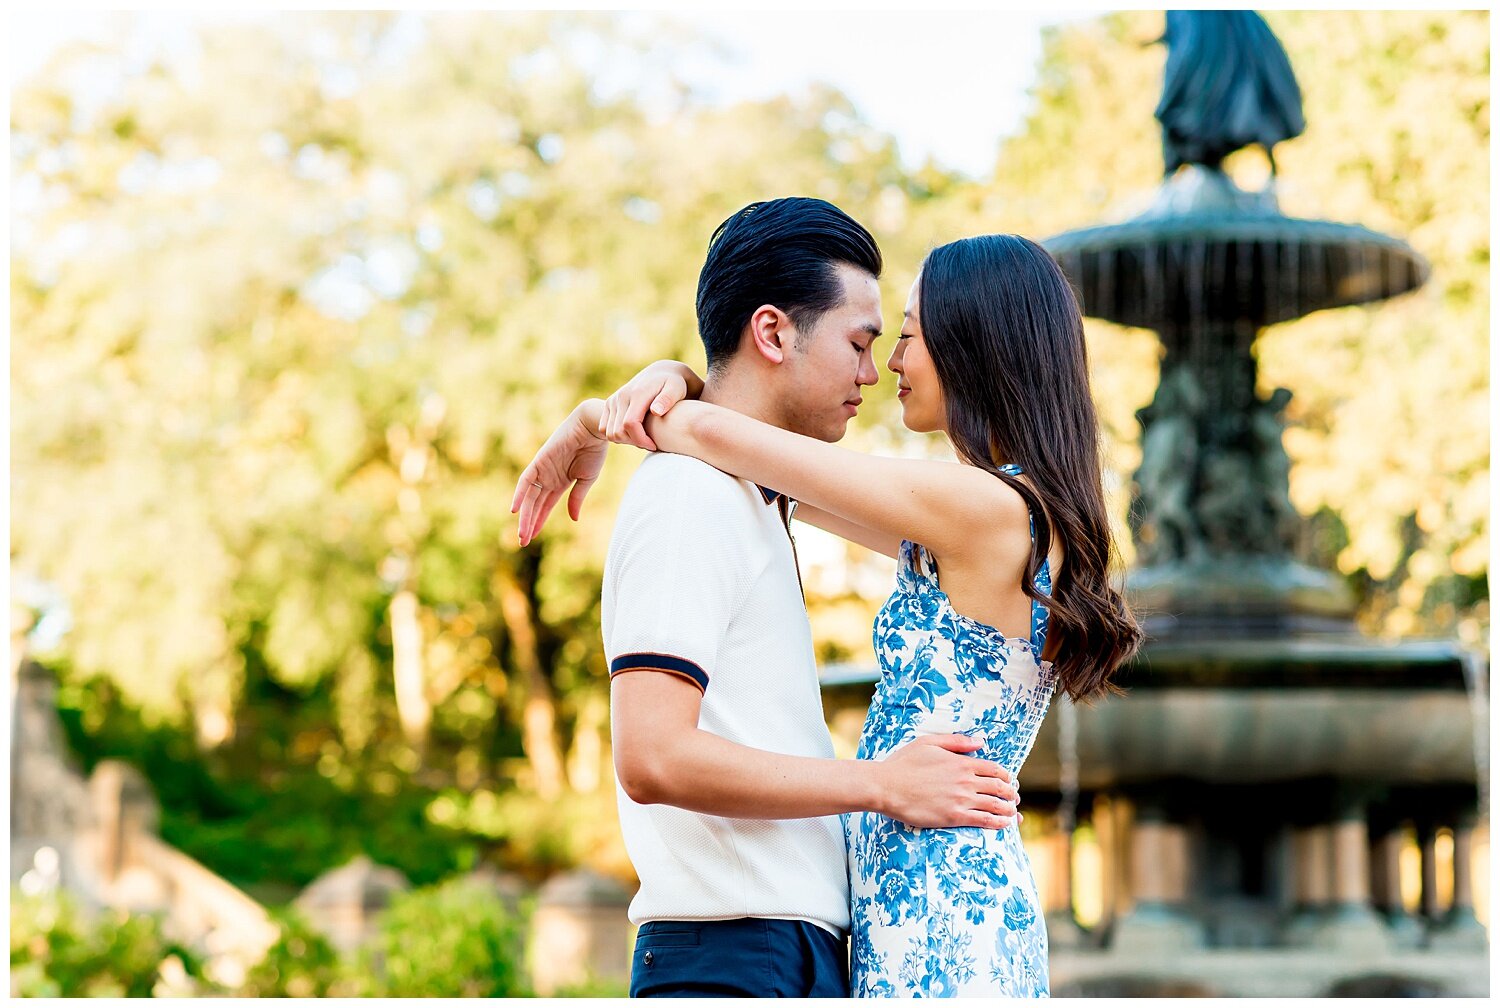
(291, 312)
(1392, 401)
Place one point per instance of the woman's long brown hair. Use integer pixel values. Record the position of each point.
(1006, 338)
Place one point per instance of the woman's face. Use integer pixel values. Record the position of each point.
(922, 407)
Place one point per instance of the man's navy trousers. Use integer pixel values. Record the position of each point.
(748, 957)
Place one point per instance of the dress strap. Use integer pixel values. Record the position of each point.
(1043, 579)
(1039, 614)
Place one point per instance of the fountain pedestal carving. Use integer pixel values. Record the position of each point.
(1159, 868)
(1459, 930)
(1350, 921)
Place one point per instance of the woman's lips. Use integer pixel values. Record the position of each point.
(902, 392)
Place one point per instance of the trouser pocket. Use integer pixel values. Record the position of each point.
(678, 959)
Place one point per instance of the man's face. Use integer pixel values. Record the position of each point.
(822, 376)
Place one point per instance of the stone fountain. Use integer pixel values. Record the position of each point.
(1252, 792)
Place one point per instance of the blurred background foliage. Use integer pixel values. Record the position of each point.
(57, 949)
(289, 317)
(454, 939)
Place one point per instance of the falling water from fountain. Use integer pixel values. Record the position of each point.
(1063, 930)
(1067, 759)
(1476, 682)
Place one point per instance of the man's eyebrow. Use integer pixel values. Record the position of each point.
(872, 329)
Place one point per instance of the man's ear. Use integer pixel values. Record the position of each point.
(771, 333)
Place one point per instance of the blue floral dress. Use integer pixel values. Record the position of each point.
(948, 912)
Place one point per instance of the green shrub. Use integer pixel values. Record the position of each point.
(595, 988)
(301, 963)
(455, 939)
(59, 949)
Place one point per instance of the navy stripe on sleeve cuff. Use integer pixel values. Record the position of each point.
(660, 663)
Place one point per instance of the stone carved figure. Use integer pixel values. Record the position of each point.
(1231, 508)
(1166, 479)
(1210, 484)
(1275, 466)
(1228, 84)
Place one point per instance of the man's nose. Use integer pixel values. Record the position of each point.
(868, 373)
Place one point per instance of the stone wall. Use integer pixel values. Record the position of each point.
(96, 838)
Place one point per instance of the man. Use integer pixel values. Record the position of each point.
(729, 792)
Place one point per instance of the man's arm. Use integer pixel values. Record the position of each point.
(662, 757)
(681, 564)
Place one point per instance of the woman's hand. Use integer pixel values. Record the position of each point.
(656, 389)
(573, 455)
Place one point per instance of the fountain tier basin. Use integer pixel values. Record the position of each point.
(1208, 251)
(1254, 710)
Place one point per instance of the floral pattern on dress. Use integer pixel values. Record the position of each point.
(948, 912)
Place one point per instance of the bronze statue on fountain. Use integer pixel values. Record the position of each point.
(1207, 267)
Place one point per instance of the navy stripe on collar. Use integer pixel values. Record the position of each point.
(769, 494)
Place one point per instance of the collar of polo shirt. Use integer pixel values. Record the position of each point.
(770, 495)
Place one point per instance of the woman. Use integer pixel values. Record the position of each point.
(990, 353)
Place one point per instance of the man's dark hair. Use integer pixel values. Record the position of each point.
(781, 252)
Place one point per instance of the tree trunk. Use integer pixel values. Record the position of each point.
(586, 761)
(406, 642)
(539, 713)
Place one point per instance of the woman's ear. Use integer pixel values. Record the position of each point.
(771, 333)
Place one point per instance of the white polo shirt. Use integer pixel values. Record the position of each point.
(701, 582)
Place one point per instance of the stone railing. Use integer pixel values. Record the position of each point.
(121, 862)
(96, 838)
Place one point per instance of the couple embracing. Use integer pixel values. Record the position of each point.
(757, 850)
